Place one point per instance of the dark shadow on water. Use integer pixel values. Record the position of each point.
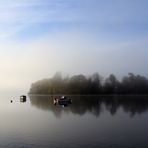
(95, 105)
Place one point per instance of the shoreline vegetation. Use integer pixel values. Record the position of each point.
(90, 85)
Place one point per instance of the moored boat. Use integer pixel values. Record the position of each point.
(23, 98)
(62, 100)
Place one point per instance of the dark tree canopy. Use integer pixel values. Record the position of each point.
(92, 85)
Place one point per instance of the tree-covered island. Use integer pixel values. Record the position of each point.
(91, 85)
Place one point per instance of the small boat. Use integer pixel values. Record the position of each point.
(62, 101)
(23, 98)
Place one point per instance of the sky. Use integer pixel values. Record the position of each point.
(41, 37)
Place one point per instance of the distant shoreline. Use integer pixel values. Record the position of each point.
(91, 85)
(88, 95)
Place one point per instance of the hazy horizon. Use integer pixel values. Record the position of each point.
(39, 38)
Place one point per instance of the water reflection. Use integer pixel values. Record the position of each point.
(63, 101)
(81, 105)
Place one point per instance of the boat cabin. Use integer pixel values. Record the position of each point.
(22, 98)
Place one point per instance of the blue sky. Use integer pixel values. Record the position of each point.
(40, 37)
(118, 19)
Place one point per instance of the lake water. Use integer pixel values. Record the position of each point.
(89, 122)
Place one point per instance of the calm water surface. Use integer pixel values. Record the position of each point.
(90, 122)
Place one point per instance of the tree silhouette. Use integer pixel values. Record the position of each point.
(93, 85)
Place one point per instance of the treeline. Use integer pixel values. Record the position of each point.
(91, 85)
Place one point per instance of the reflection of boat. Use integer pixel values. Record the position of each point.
(62, 101)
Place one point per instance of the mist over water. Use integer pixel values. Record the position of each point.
(89, 121)
(100, 46)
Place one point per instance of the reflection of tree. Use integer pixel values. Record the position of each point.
(45, 103)
(94, 105)
(139, 106)
(130, 104)
(80, 105)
